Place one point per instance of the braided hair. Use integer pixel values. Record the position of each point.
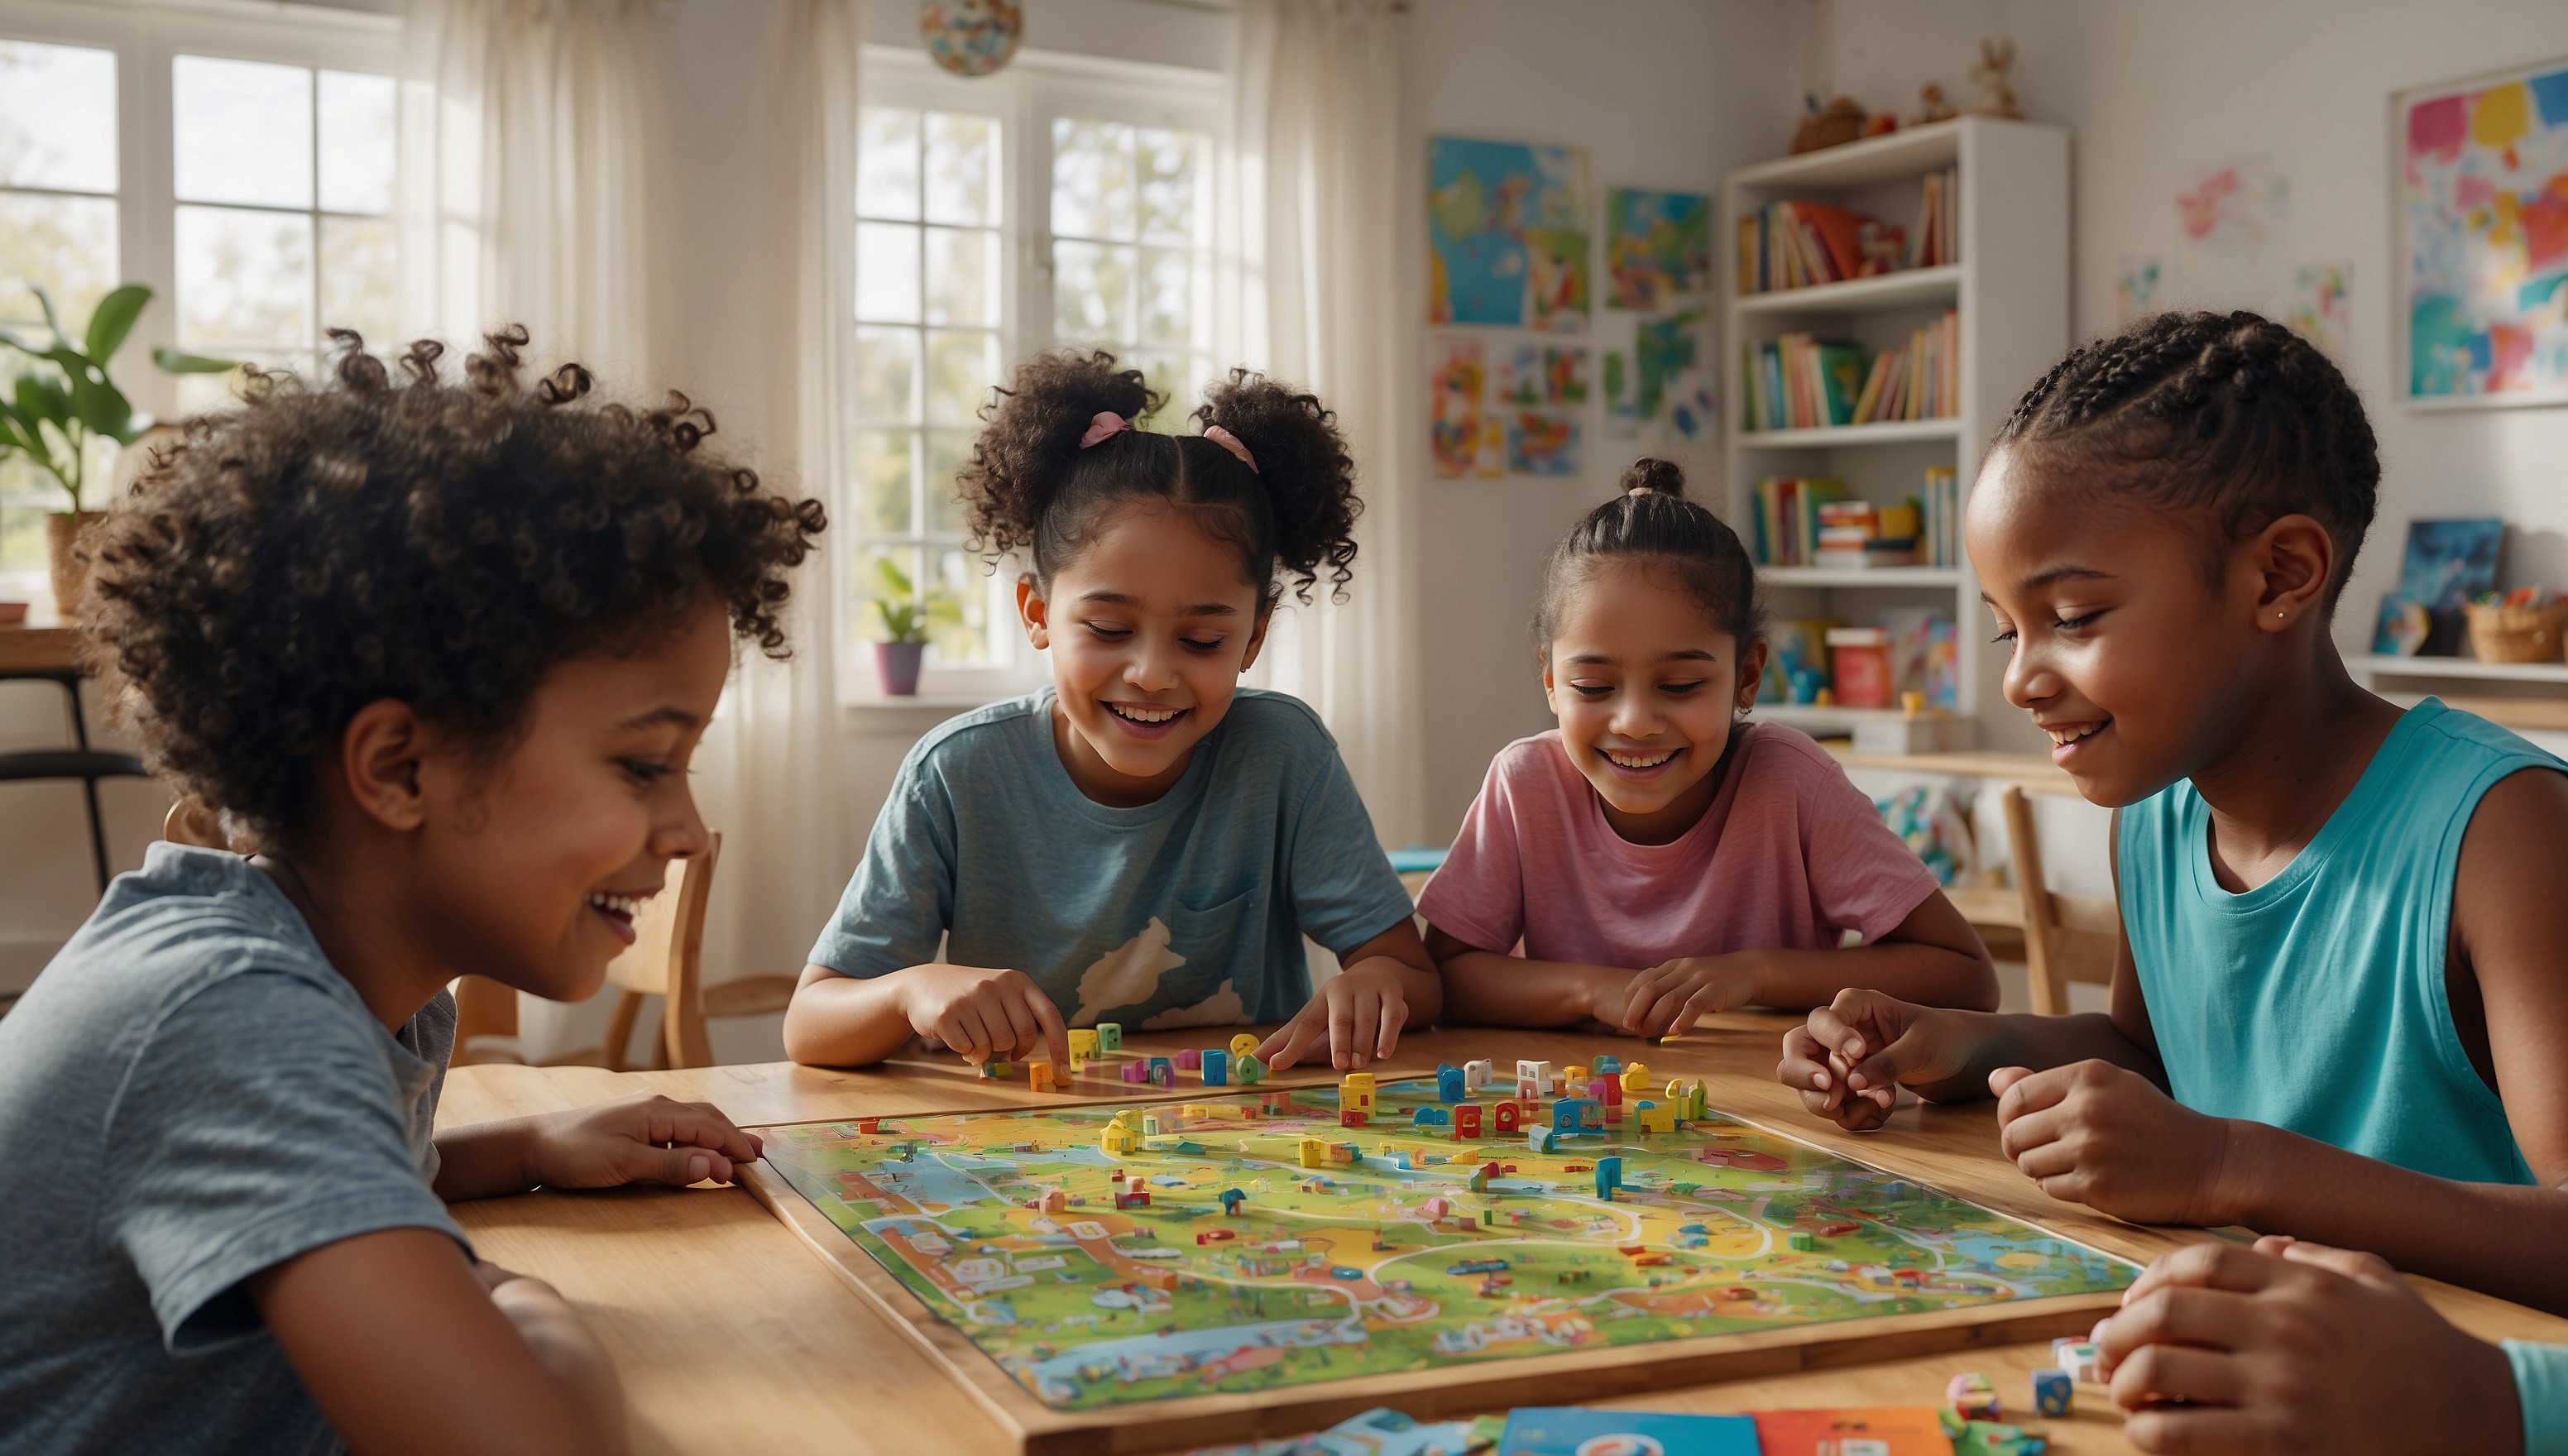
(2227, 414)
(1652, 521)
(1030, 485)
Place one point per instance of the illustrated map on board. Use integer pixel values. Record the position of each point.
(1212, 1257)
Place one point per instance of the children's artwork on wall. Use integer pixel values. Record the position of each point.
(2228, 205)
(1673, 389)
(2322, 306)
(1506, 234)
(1543, 375)
(2137, 281)
(1658, 247)
(1622, 406)
(1542, 443)
(2449, 562)
(1463, 433)
(2482, 179)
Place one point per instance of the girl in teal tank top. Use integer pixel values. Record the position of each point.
(2342, 1008)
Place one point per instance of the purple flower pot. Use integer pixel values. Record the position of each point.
(897, 665)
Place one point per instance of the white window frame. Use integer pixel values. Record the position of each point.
(1035, 88)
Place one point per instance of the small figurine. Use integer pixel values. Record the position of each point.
(1991, 96)
(1931, 105)
(1833, 125)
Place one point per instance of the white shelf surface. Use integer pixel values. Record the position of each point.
(2382, 665)
(1806, 714)
(1888, 432)
(1908, 287)
(1902, 153)
(1943, 577)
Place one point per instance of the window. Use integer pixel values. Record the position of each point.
(995, 219)
(283, 177)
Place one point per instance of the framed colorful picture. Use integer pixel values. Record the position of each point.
(2479, 225)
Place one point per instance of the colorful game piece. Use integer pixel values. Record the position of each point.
(1449, 1083)
(1506, 1116)
(1608, 1090)
(1801, 1241)
(1533, 1080)
(1242, 1044)
(1972, 1396)
(1110, 1035)
(1136, 1071)
(1654, 1117)
(1476, 1075)
(1189, 1059)
(1116, 1141)
(1231, 1199)
(2076, 1357)
(1313, 1152)
(1350, 1117)
(1636, 1078)
(1356, 1090)
(1216, 1067)
(1431, 1117)
(1541, 1139)
(992, 1070)
(2054, 1393)
(868, 1124)
(1248, 1072)
(1609, 1176)
(1466, 1121)
(1039, 1076)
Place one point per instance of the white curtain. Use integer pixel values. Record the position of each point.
(528, 140)
(770, 774)
(1313, 224)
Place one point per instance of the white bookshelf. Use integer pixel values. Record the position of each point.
(2371, 668)
(2009, 293)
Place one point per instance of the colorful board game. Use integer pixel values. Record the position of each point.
(1247, 1241)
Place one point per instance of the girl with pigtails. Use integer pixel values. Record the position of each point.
(1145, 841)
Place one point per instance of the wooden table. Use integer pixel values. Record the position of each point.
(38, 651)
(2034, 773)
(731, 1336)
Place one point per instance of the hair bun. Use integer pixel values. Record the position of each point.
(1659, 478)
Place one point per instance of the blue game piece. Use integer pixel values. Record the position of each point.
(1449, 1084)
(1609, 1176)
(2054, 1393)
(1162, 1073)
(1608, 1066)
(1216, 1067)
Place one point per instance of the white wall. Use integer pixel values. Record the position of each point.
(1662, 92)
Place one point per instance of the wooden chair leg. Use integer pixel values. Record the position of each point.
(619, 1028)
(2049, 982)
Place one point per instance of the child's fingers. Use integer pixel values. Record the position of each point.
(1346, 1013)
(2209, 1431)
(2157, 1373)
(1299, 1034)
(1015, 1022)
(2021, 1092)
(961, 1031)
(2020, 1135)
(1831, 1029)
(678, 1167)
(2213, 1264)
(2368, 1268)
(1050, 1031)
(1395, 1014)
(2176, 1314)
(703, 1125)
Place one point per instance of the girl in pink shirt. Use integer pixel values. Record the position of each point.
(1657, 857)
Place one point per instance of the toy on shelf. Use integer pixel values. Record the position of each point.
(1992, 94)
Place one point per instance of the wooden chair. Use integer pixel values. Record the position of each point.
(2066, 937)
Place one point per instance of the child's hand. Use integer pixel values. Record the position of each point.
(1848, 1059)
(646, 1139)
(980, 1014)
(2299, 1347)
(2095, 1133)
(1359, 1014)
(1672, 996)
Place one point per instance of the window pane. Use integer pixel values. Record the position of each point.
(245, 279)
(1166, 375)
(887, 376)
(1092, 292)
(961, 639)
(962, 277)
(57, 117)
(1091, 178)
(871, 585)
(888, 272)
(947, 452)
(360, 280)
(1168, 165)
(198, 392)
(883, 482)
(962, 170)
(960, 370)
(356, 141)
(887, 163)
(244, 132)
(1167, 304)
(64, 246)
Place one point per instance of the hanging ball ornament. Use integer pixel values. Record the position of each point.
(970, 37)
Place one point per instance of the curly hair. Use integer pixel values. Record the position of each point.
(1652, 521)
(1029, 484)
(2230, 415)
(443, 543)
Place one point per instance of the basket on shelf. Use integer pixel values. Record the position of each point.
(2504, 634)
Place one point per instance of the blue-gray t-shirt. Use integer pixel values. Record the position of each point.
(1189, 911)
(189, 1094)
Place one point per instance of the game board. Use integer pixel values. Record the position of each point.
(1210, 1278)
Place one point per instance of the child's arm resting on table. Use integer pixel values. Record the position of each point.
(645, 1139)
(1933, 957)
(837, 1020)
(2295, 1347)
(1381, 985)
(471, 1359)
(1494, 989)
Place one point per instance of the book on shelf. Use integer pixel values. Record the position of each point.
(1786, 525)
(1798, 243)
(1919, 382)
(1939, 524)
(1798, 382)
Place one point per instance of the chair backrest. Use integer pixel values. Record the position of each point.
(665, 958)
(2066, 937)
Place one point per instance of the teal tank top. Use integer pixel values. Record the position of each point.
(2315, 1002)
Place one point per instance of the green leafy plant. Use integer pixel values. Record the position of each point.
(908, 614)
(52, 420)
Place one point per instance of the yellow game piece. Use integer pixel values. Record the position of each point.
(1243, 1044)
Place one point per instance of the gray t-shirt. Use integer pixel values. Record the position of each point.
(1189, 911)
(189, 1094)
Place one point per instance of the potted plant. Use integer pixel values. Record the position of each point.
(908, 615)
(53, 415)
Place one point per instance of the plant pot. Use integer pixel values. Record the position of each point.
(896, 666)
(70, 574)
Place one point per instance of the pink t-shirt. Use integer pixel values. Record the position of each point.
(1789, 856)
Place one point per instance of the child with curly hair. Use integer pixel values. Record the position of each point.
(435, 654)
(1656, 858)
(2338, 1014)
(1145, 841)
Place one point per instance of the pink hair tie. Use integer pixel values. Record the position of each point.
(1104, 428)
(1231, 442)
